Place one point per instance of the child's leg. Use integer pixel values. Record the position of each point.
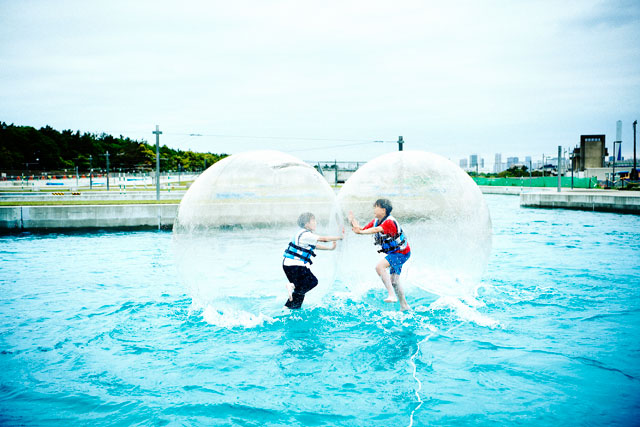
(304, 281)
(381, 269)
(395, 280)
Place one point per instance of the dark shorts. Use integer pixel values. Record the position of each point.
(303, 280)
(396, 261)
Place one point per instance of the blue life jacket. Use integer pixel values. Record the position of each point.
(389, 244)
(297, 251)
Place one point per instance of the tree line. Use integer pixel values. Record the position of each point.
(512, 172)
(24, 148)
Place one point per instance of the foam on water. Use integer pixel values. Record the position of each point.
(230, 319)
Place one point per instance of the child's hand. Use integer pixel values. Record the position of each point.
(333, 246)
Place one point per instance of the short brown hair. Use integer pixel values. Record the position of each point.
(384, 204)
(304, 218)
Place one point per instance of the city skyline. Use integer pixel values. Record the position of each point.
(326, 81)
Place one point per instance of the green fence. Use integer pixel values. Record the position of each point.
(538, 181)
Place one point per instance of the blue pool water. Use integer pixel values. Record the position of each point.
(97, 328)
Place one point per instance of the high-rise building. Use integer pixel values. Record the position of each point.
(511, 162)
(527, 162)
(497, 164)
(473, 161)
(463, 163)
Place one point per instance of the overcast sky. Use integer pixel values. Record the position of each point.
(323, 80)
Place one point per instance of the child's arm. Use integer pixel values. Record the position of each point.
(372, 230)
(355, 226)
(332, 239)
(327, 248)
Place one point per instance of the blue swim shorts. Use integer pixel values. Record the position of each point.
(396, 261)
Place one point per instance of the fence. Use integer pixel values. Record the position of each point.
(538, 181)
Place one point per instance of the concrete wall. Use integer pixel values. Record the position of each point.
(86, 216)
(610, 202)
(91, 195)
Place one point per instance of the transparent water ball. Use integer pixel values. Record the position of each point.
(233, 226)
(441, 210)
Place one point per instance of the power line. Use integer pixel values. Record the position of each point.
(334, 146)
(293, 138)
(354, 142)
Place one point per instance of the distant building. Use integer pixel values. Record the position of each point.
(511, 162)
(497, 163)
(473, 161)
(527, 162)
(481, 163)
(463, 163)
(591, 153)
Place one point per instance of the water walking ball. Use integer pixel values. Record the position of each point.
(441, 209)
(236, 220)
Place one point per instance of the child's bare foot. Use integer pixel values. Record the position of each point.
(405, 307)
(391, 298)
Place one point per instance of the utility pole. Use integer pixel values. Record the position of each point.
(157, 134)
(573, 156)
(400, 143)
(107, 156)
(90, 172)
(634, 171)
(559, 167)
(617, 141)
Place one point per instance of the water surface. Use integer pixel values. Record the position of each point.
(97, 328)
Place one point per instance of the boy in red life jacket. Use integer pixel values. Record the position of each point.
(391, 238)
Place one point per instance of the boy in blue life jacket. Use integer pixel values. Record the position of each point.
(297, 259)
(392, 241)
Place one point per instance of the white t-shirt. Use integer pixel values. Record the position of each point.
(307, 238)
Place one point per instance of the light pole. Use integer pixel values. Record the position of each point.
(559, 168)
(614, 159)
(90, 172)
(572, 157)
(107, 156)
(634, 171)
(157, 134)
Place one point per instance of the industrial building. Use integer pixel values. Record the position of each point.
(590, 154)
